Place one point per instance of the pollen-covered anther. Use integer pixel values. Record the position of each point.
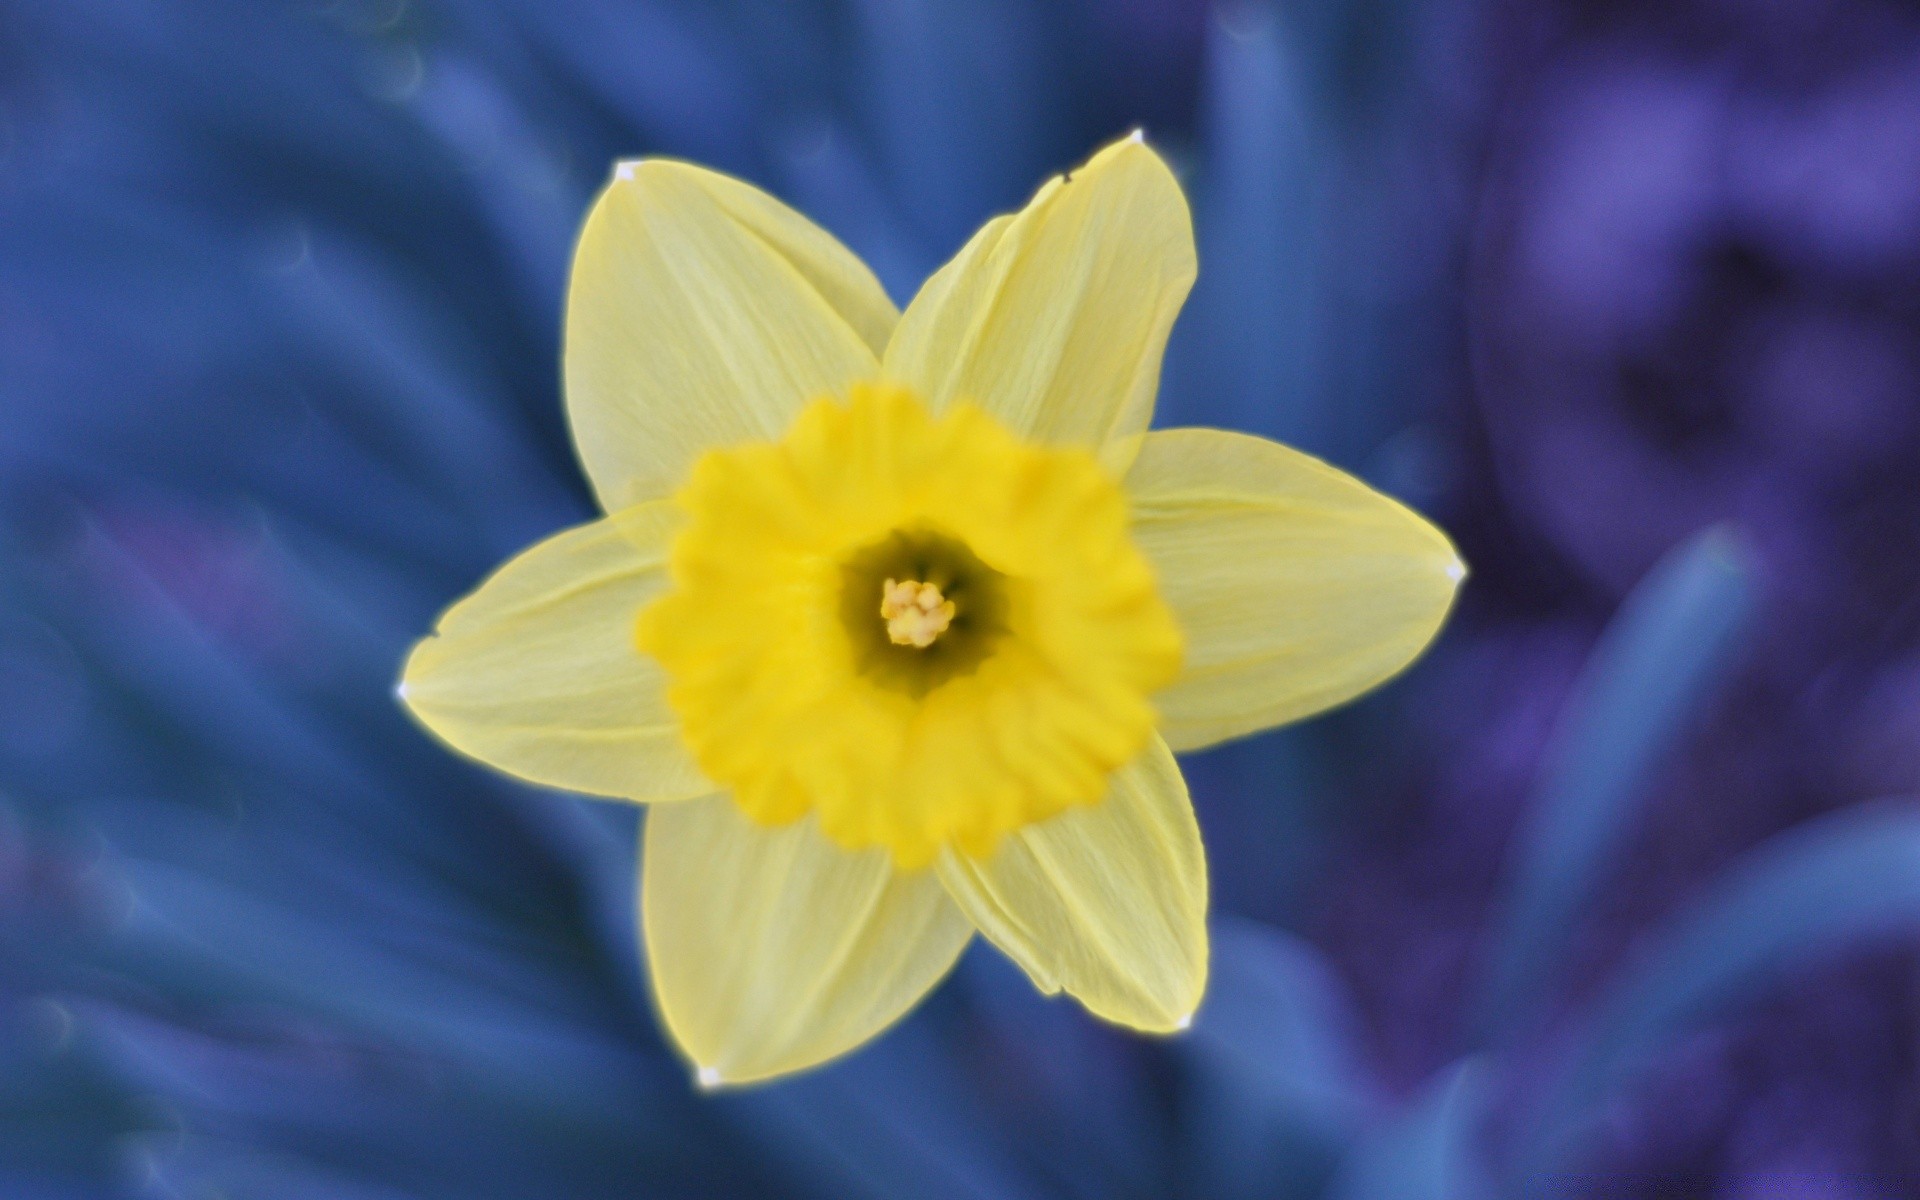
(916, 613)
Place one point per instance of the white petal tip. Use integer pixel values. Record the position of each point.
(1456, 570)
(624, 170)
(400, 690)
(1184, 1023)
(708, 1078)
(1139, 136)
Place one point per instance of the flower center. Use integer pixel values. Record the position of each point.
(1005, 675)
(916, 613)
(942, 610)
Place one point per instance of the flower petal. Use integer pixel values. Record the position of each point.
(703, 312)
(1054, 319)
(1108, 901)
(536, 672)
(1297, 586)
(773, 950)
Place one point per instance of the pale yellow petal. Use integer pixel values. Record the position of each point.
(702, 312)
(1108, 902)
(1054, 319)
(773, 950)
(536, 673)
(833, 271)
(1297, 586)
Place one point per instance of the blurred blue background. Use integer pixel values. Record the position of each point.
(1614, 895)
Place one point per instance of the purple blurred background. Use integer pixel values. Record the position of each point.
(1688, 270)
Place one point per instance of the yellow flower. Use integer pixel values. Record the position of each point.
(898, 618)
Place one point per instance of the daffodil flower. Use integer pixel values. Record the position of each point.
(896, 620)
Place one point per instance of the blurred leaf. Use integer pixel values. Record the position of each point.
(202, 939)
(1272, 1068)
(896, 1119)
(692, 99)
(1807, 893)
(1660, 661)
(60, 1103)
(835, 184)
(1428, 1152)
(954, 163)
(1246, 355)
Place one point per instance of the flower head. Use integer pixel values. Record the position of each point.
(896, 619)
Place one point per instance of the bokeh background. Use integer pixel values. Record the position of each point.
(1614, 895)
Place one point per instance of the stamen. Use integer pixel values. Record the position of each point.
(916, 613)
